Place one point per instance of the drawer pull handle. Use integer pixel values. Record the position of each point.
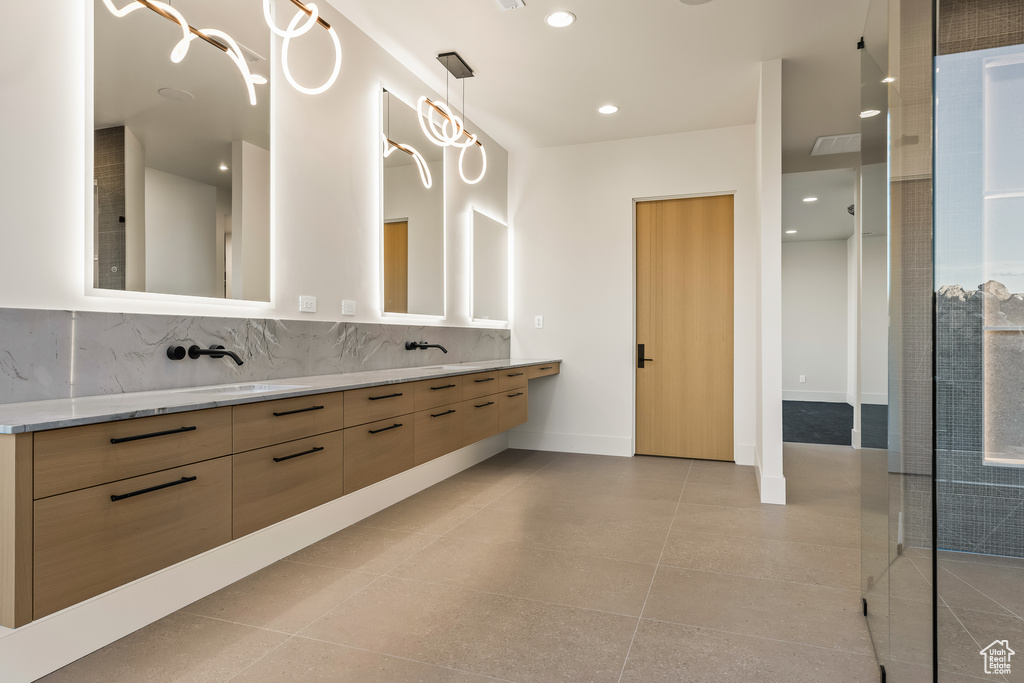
(300, 410)
(378, 431)
(377, 398)
(315, 449)
(183, 480)
(488, 379)
(447, 412)
(514, 395)
(446, 386)
(515, 374)
(484, 405)
(125, 439)
(550, 367)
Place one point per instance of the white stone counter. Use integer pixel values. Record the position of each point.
(34, 416)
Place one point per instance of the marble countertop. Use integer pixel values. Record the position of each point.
(34, 416)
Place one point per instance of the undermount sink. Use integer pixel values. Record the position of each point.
(441, 367)
(245, 389)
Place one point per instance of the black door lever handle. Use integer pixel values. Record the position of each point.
(640, 359)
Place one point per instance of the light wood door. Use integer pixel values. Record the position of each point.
(396, 267)
(684, 395)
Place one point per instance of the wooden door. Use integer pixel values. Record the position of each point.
(396, 267)
(684, 393)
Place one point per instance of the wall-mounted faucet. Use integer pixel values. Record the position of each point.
(409, 346)
(215, 351)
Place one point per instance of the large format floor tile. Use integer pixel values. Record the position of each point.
(364, 549)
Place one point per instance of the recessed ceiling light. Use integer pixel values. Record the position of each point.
(791, 232)
(560, 19)
(868, 113)
(608, 109)
(223, 167)
(810, 199)
(694, 2)
(888, 79)
(175, 95)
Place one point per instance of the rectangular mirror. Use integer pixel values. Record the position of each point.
(181, 186)
(490, 269)
(413, 213)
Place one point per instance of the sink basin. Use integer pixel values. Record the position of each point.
(245, 389)
(441, 367)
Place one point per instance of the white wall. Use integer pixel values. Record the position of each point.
(572, 223)
(875, 321)
(490, 268)
(814, 320)
(181, 235)
(325, 176)
(250, 221)
(134, 213)
(405, 197)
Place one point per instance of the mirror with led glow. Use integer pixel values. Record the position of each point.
(490, 269)
(181, 185)
(413, 211)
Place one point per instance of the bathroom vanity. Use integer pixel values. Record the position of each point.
(96, 492)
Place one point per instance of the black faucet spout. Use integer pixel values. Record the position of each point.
(215, 351)
(409, 346)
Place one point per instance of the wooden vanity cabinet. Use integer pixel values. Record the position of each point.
(255, 425)
(513, 407)
(377, 403)
(481, 419)
(481, 384)
(542, 370)
(513, 378)
(378, 450)
(277, 482)
(432, 393)
(88, 541)
(438, 431)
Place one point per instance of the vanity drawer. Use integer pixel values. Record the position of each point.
(256, 425)
(513, 378)
(438, 432)
(542, 370)
(432, 393)
(86, 543)
(481, 384)
(377, 403)
(79, 457)
(513, 408)
(277, 482)
(480, 418)
(378, 450)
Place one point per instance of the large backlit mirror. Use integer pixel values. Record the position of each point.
(490, 269)
(413, 210)
(181, 158)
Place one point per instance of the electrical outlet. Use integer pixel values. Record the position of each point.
(803, 379)
(538, 321)
(307, 304)
(348, 307)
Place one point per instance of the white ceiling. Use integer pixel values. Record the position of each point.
(825, 219)
(670, 66)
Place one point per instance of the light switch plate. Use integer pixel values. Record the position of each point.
(348, 307)
(307, 304)
(538, 321)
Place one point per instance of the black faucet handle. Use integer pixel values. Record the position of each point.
(176, 352)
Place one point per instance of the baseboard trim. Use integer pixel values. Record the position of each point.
(875, 399)
(745, 454)
(855, 438)
(823, 396)
(45, 645)
(773, 489)
(571, 443)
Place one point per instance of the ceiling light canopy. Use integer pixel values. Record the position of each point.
(608, 109)
(560, 19)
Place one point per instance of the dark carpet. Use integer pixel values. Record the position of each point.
(831, 423)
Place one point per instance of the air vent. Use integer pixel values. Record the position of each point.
(250, 56)
(836, 144)
(510, 4)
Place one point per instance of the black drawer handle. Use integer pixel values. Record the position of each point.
(377, 398)
(315, 449)
(378, 431)
(300, 410)
(124, 439)
(514, 395)
(183, 480)
(449, 412)
(550, 367)
(489, 379)
(515, 374)
(446, 386)
(484, 405)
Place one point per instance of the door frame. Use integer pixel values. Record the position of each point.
(658, 198)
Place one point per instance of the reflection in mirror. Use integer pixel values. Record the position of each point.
(413, 210)
(490, 269)
(181, 158)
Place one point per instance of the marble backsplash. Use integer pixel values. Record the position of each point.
(60, 354)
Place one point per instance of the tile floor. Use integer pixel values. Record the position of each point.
(538, 566)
